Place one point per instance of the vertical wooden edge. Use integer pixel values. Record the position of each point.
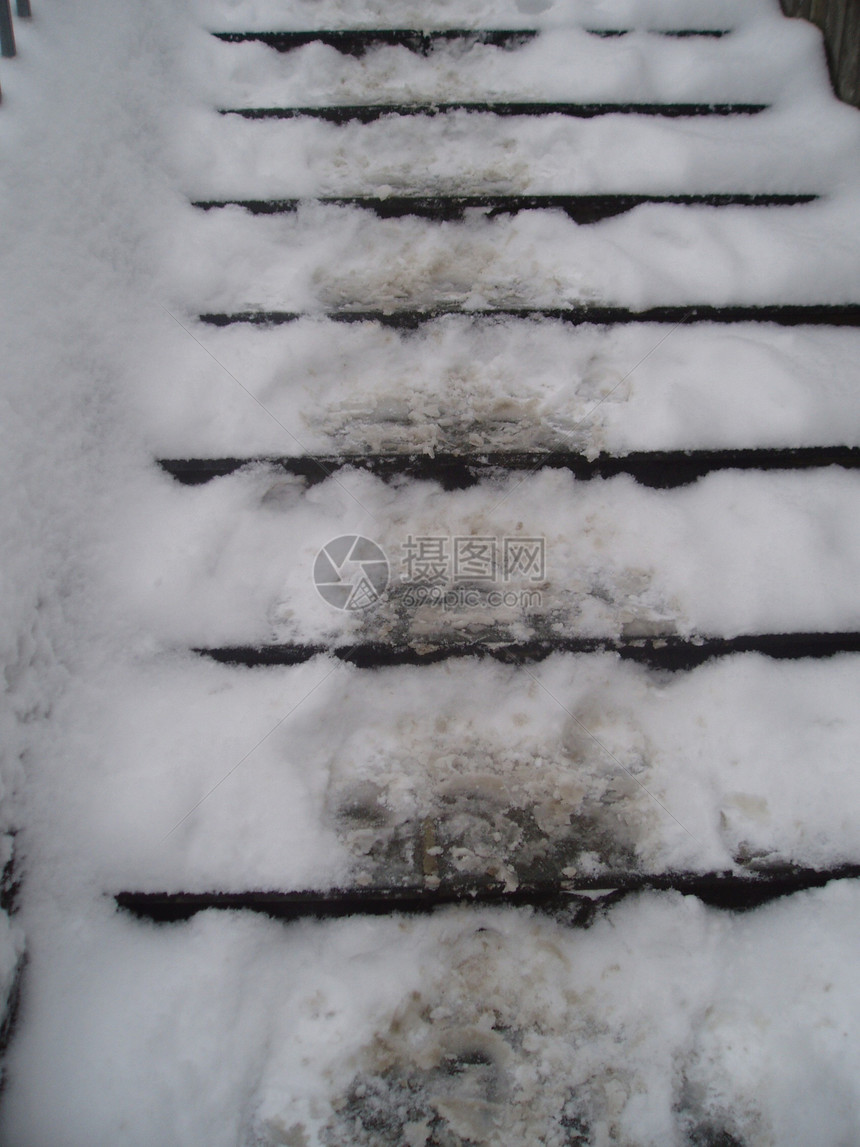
(839, 20)
(7, 31)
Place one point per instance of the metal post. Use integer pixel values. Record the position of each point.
(7, 33)
(22, 7)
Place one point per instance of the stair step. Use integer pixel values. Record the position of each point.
(663, 1022)
(486, 767)
(368, 113)
(580, 208)
(658, 469)
(531, 389)
(670, 652)
(357, 42)
(729, 890)
(765, 552)
(787, 315)
(488, 154)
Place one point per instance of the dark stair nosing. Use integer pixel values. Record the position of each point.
(358, 41)
(656, 469)
(367, 113)
(670, 652)
(783, 314)
(580, 208)
(679, 33)
(12, 1014)
(728, 890)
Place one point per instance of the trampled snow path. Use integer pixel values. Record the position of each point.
(493, 738)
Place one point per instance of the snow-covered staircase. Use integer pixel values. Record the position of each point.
(551, 311)
(727, 562)
(551, 775)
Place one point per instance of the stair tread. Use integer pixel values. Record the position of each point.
(455, 386)
(266, 158)
(290, 778)
(367, 1026)
(759, 548)
(660, 258)
(564, 63)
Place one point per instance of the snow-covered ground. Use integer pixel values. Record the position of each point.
(129, 762)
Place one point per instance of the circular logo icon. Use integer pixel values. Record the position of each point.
(351, 572)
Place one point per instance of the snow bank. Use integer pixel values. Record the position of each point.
(76, 268)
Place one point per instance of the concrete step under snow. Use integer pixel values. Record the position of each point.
(680, 66)
(304, 15)
(480, 1025)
